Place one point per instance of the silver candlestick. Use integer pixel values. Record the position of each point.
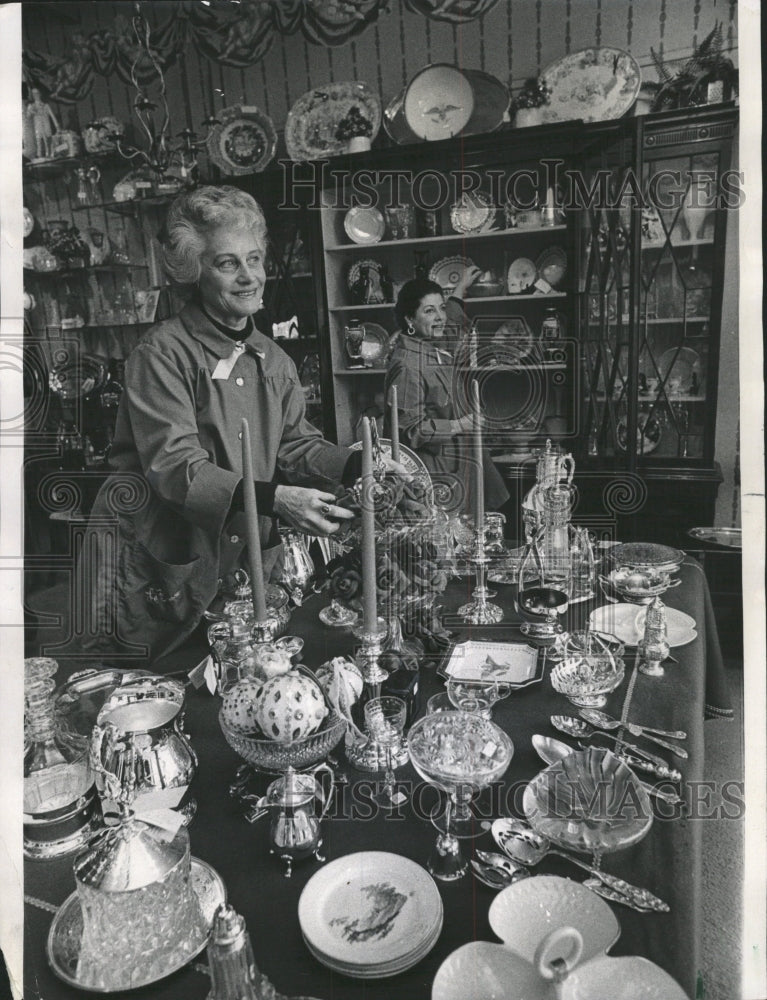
(362, 750)
(479, 611)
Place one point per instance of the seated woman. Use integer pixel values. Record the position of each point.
(167, 529)
(426, 379)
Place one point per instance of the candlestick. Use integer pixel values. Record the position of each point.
(251, 527)
(479, 498)
(394, 424)
(548, 215)
(369, 616)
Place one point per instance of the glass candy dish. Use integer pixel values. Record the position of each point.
(461, 754)
(589, 801)
(591, 667)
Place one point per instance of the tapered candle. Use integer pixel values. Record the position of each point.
(251, 527)
(369, 613)
(394, 424)
(479, 493)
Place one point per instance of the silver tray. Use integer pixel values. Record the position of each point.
(65, 934)
(728, 538)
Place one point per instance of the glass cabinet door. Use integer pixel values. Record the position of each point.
(676, 373)
(606, 305)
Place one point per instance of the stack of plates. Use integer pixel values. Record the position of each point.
(370, 915)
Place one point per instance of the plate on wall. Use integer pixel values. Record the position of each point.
(449, 271)
(438, 102)
(310, 129)
(472, 214)
(364, 225)
(521, 275)
(243, 142)
(593, 84)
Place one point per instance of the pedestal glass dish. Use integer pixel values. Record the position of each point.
(459, 753)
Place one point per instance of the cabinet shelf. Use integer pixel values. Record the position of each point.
(449, 238)
(360, 371)
(533, 366)
(468, 300)
(297, 274)
(661, 245)
(72, 272)
(127, 207)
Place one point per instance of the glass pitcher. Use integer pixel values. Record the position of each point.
(298, 568)
(553, 466)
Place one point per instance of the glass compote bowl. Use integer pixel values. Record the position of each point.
(460, 753)
(590, 667)
(385, 721)
(476, 696)
(589, 801)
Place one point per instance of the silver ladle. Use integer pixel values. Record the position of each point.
(522, 844)
(497, 870)
(577, 727)
(602, 721)
(551, 750)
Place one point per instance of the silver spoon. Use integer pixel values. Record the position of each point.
(522, 844)
(670, 734)
(577, 727)
(551, 750)
(602, 721)
(495, 878)
(503, 863)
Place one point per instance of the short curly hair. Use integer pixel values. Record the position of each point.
(410, 297)
(194, 214)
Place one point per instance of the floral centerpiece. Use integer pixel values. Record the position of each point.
(534, 94)
(410, 570)
(355, 129)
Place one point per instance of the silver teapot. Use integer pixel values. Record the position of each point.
(294, 830)
(297, 565)
(139, 739)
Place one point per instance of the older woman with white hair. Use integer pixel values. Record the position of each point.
(168, 527)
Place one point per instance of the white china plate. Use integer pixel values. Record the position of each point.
(521, 275)
(626, 621)
(243, 142)
(65, 934)
(593, 84)
(491, 105)
(682, 364)
(449, 271)
(368, 909)
(513, 340)
(624, 978)
(479, 970)
(310, 129)
(439, 102)
(364, 225)
(472, 214)
(552, 266)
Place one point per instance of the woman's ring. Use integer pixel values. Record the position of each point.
(324, 509)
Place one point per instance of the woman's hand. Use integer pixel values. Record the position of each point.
(468, 277)
(311, 511)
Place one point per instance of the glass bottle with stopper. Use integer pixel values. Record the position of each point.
(552, 467)
(60, 802)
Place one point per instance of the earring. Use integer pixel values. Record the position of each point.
(410, 328)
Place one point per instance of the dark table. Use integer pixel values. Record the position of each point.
(667, 861)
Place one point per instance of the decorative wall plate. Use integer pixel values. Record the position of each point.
(375, 346)
(552, 265)
(472, 214)
(244, 141)
(512, 341)
(592, 84)
(354, 271)
(310, 129)
(521, 276)
(679, 363)
(438, 102)
(28, 222)
(364, 225)
(449, 271)
(649, 433)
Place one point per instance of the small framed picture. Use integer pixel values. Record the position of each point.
(146, 304)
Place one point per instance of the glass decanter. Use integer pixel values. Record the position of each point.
(552, 467)
(58, 788)
(297, 568)
(554, 539)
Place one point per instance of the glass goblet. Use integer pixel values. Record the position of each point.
(385, 721)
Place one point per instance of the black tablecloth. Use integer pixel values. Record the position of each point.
(667, 861)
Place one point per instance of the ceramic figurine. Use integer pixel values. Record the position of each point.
(44, 123)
